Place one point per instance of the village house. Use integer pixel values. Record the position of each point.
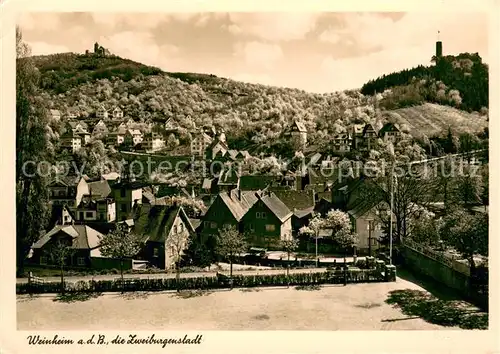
(166, 231)
(153, 141)
(135, 135)
(217, 149)
(268, 221)
(72, 141)
(126, 194)
(81, 239)
(97, 205)
(130, 123)
(200, 143)
(117, 113)
(228, 180)
(342, 143)
(227, 210)
(101, 113)
(357, 135)
(365, 218)
(116, 137)
(298, 133)
(55, 114)
(94, 208)
(84, 134)
(68, 190)
(74, 125)
(390, 133)
(301, 203)
(100, 129)
(368, 138)
(171, 126)
(61, 215)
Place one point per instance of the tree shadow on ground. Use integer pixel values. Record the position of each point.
(432, 286)
(261, 317)
(187, 294)
(76, 296)
(369, 305)
(134, 295)
(308, 287)
(26, 298)
(450, 313)
(250, 290)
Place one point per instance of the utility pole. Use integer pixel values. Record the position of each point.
(370, 229)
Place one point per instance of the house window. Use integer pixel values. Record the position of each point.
(270, 227)
(43, 260)
(251, 227)
(213, 225)
(155, 252)
(81, 261)
(263, 215)
(206, 224)
(88, 214)
(81, 215)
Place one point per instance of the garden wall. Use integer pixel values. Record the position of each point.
(442, 273)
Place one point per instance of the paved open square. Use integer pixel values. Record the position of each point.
(331, 307)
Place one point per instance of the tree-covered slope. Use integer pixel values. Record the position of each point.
(253, 115)
(460, 81)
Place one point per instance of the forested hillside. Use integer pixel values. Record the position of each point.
(460, 81)
(254, 116)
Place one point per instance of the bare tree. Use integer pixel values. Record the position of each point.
(59, 252)
(178, 243)
(412, 192)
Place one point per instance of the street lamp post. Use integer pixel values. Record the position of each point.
(393, 180)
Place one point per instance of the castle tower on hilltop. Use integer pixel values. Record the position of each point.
(439, 47)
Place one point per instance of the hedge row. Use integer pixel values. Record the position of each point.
(161, 284)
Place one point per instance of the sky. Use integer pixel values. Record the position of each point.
(317, 52)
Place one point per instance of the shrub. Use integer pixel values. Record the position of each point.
(162, 284)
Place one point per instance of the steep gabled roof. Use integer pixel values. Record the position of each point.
(100, 188)
(300, 126)
(84, 237)
(255, 183)
(388, 127)
(296, 199)
(368, 127)
(230, 176)
(236, 205)
(155, 222)
(276, 206)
